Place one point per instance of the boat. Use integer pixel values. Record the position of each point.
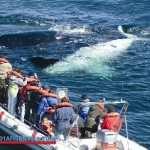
(102, 140)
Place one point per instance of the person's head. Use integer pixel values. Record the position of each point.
(34, 83)
(111, 109)
(32, 75)
(51, 91)
(18, 71)
(2, 56)
(99, 100)
(46, 87)
(84, 96)
(64, 99)
(44, 119)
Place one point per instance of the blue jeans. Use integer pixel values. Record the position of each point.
(64, 132)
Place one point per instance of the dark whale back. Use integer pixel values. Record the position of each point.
(43, 62)
(27, 38)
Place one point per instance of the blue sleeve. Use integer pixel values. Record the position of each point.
(41, 105)
(55, 117)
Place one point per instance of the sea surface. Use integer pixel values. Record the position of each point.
(98, 59)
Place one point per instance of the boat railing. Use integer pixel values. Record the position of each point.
(122, 112)
(25, 122)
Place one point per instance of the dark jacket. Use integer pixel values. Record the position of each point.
(92, 121)
(64, 117)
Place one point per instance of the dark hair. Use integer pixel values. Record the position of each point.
(18, 70)
(111, 109)
(84, 96)
(2, 56)
(99, 100)
(34, 83)
(64, 99)
(44, 117)
(51, 91)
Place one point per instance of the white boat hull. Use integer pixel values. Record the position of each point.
(7, 123)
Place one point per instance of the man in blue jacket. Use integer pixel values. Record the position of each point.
(45, 103)
(63, 118)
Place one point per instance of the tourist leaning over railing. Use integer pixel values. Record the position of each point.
(16, 79)
(5, 69)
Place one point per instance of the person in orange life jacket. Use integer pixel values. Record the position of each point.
(91, 123)
(5, 69)
(15, 81)
(29, 101)
(47, 126)
(63, 118)
(83, 111)
(112, 120)
(26, 96)
(47, 102)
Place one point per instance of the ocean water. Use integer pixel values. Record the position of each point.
(98, 59)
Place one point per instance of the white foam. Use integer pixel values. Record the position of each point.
(92, 59)
(69, 29)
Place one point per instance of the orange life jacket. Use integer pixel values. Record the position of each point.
(64, 104)
(26, 88)
(4, 60)
(101, 106)
(17, 74)
(30, 87)
(45, 93)
(51, 111)
(111, 121)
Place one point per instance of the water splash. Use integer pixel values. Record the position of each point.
(68, 29)
(93, 59)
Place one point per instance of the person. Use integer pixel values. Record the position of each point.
(111, 120)
(47, 126)
(83, 109)
(63, 118)
(83, 112)
(26, 102)
(33, 78)
(5, 69)
(92, 121)
(15, 80)
(47, 102)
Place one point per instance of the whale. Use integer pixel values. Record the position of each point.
(30, 38)
(43, 62)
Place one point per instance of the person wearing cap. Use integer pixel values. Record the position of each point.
(111, 120)
(5, 69)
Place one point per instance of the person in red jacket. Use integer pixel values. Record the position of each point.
(112, 120)
(47, 126)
